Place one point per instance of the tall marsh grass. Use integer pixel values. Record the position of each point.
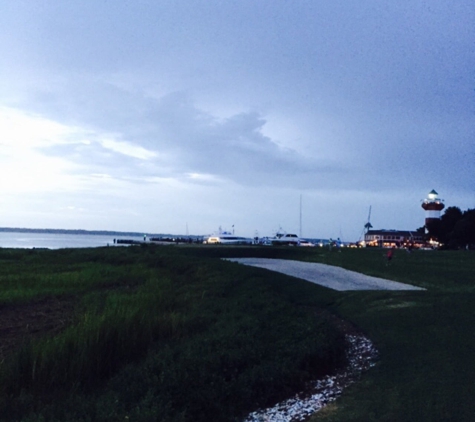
(106, 337)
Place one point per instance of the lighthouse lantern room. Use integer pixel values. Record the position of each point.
(432, 205)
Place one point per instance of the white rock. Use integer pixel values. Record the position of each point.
(361, 356)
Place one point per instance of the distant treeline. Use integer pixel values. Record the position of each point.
(456, 228)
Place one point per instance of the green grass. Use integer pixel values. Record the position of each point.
(176, 334)
(426, 338)
(161, 334)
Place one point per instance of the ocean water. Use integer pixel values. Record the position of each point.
(57, 240)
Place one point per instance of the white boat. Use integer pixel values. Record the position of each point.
(227, 239)
(286, 239)
(223, 237)
(304, 242)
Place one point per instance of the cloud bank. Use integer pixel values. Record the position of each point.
(151, 116)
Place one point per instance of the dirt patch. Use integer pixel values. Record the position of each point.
(23, 322)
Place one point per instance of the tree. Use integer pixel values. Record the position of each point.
(447, 224)
(464, 230)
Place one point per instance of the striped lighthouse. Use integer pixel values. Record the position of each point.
(432, 205)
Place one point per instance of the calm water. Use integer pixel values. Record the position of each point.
(57, 241)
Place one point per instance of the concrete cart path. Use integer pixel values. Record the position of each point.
(335, 278)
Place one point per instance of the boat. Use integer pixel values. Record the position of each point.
(307, 243)
(227, 239)
(288, 239)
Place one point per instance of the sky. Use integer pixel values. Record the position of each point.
(183, 116)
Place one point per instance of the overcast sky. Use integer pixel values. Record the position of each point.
(179, 115)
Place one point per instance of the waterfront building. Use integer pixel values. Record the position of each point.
(396, 238)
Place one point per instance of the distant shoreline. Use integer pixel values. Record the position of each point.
(114, 233)
(77, 231)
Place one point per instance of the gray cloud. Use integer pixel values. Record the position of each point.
(384, 149)
(191, 140)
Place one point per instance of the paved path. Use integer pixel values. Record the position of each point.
(335, 278)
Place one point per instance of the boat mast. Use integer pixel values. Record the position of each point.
(300, 230)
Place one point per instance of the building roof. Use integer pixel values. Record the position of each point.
(405, 233)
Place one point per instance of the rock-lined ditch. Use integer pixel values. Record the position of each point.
(361, 355)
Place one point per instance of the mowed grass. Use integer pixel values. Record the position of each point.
(237, 338)
(426, 339)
